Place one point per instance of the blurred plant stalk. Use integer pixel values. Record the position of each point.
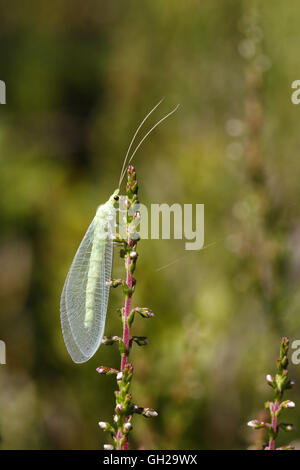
(125, 408)
(279, 383)
(264, 247)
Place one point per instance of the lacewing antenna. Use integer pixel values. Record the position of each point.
(143, 139)
(133, 139)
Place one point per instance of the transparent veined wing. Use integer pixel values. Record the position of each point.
(87, 270)
(71, 345)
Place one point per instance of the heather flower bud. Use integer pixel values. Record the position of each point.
(115, 282)
(106, 370)
(255, 424)
(140, 340)
(137, 409)
(109, 340)
(120, 376)
(103, 425)
(127, 427)
(149, 413)
(119, 408)
(284, 346)
(287, 427)
(280, 381)
(106, 427)
(288, 404)
(108, 447)
(128, 369)
(144, 312)
(286, 448)
(269, 379)
(290, 384)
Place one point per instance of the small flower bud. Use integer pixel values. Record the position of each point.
(108, 447)
(287, 427)
(103, 425)
(120, 376)
(281, 380)
(269, 379)
(106, 370)
(106, 427)
(255, 424)
(127, 427)
(290, 384)
(144, 312)
(148, 413)
(137, 216)
(114, 282)
(119, 408)
(288, 404)
(133, 255)
(109, 340)
(116, 418)
(140, 340)
(286, 448)
(290, 427)
(252, 423)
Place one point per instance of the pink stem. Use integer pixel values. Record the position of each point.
(273, 408)
(126, 312)
(126, 332)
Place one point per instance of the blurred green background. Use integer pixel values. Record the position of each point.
(80, 76)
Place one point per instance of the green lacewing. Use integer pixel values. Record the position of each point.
(85, 294)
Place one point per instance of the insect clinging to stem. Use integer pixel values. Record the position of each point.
(85, 293)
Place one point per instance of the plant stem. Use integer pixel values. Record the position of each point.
(125, 408)
(126, 335)
(274, 407)
(127, 310)
(280, 383)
